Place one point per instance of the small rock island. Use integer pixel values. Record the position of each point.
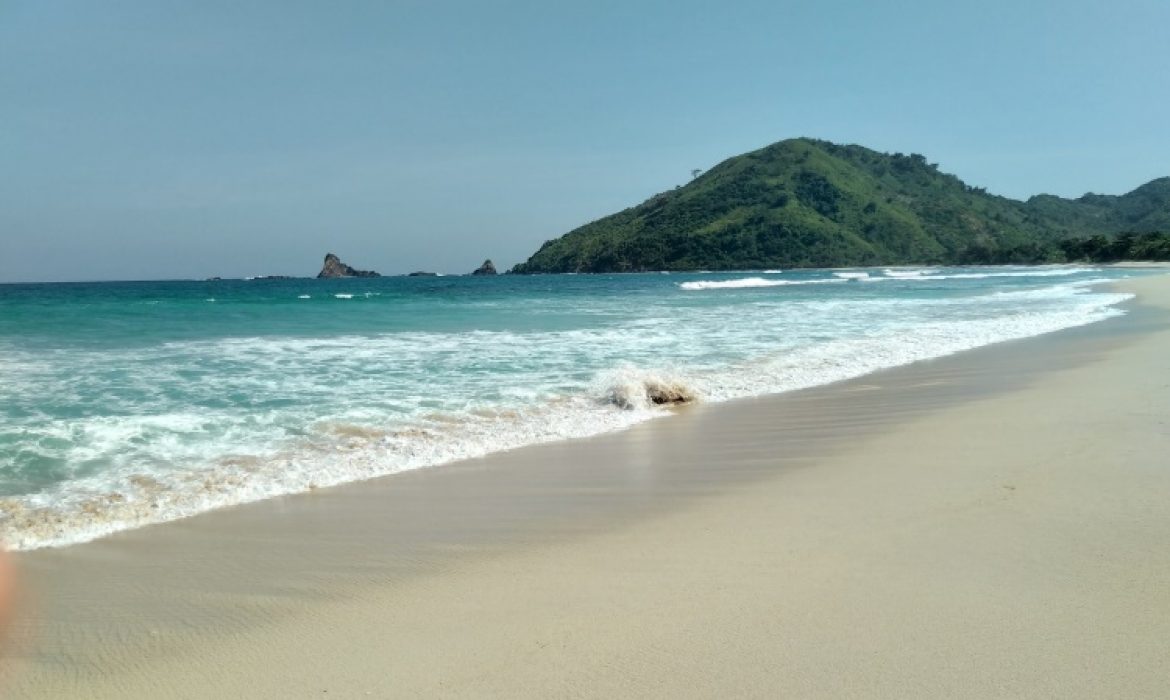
(487, 268)
(335, 268)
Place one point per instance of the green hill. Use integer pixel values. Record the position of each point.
(809, 203)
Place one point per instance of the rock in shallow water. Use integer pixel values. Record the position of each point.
(647, 391)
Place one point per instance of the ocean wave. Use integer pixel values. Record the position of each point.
(750, 282)
(1063, 272)
(852, 275)
(908, 274)
(1069, 290)
(330, 453)
(264, 416)
(946, 275)
(744, 283)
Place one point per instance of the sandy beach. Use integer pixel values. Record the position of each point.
(991, 524)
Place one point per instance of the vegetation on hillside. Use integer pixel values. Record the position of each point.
(809, 203)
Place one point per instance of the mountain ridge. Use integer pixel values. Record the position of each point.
(809, 203)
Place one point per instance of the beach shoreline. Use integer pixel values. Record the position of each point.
(247, 416)
(929, 513)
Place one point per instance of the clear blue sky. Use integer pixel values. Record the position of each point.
(158, 139)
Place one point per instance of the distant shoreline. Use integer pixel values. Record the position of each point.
(1139, 264)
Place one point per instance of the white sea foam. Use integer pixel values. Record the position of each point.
(908, 274)
(1036, 272)
(170, 445)
(304, 296)
(749, 282)
(852, 275)
(343, 296)
(332, 453)
(1064, 272)
(744, 283)
(632, 388)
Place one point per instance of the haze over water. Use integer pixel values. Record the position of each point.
(123, 404)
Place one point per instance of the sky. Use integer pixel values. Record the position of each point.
(183, 140)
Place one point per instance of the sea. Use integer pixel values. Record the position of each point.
(124, 404)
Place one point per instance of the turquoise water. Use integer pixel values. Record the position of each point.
(123, 404)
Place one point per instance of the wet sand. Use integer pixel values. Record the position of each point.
(992, 524)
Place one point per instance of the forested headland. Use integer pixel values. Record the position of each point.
(810, 203)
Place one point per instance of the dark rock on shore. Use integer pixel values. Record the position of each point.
(420, 273)
(651, 391)
(335, 268)
(487, 268)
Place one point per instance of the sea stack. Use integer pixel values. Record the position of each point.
(487, 268)
(335, 268)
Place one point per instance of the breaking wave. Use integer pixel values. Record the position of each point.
(908, 274)
(936, 275)
(209, 423)
(639, 389)
(750, 282)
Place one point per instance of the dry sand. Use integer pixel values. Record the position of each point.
(994, 524)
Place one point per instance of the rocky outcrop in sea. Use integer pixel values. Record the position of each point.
(335, 268)
(487, 268)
